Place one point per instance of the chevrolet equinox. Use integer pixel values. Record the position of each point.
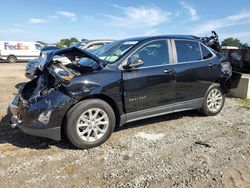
(121, 82)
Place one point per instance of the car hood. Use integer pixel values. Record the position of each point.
(72, 53)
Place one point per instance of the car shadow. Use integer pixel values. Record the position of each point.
(17, 138)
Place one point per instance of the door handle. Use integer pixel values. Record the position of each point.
(167, 71)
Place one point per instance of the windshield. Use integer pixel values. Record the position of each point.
(111, 52)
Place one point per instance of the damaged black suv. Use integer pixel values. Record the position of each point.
(120, 82)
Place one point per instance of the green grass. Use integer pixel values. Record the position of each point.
(245, 103)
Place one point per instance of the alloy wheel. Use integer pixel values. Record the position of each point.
(215, 100)
(92, 124)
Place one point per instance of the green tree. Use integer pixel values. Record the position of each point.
(66, 42)
(73, 39)
(231, 42)
(83, 39)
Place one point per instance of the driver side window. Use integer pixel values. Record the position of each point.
(153, 54)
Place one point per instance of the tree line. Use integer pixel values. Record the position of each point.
(67, 42)
(63, 43)
(233, 42)
(226, 42)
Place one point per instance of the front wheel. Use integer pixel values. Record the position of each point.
(90, 123)
(213, 101)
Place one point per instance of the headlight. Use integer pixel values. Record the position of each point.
(61, 73)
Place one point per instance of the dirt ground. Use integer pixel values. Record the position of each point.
(179, 150)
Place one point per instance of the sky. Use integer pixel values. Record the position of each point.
(52, 20)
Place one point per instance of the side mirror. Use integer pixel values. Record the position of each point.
(133, 63)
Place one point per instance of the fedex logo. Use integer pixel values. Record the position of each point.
(18, 46)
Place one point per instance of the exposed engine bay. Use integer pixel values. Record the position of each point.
(64, 65)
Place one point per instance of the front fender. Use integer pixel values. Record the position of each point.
(107, 82)
(83, 89)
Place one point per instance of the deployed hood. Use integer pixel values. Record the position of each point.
(72, 53)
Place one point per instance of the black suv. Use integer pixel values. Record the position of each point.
(121, 82)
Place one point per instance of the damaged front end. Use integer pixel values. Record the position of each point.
(40, 105)
(39, 110)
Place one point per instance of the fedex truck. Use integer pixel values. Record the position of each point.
(14, 51)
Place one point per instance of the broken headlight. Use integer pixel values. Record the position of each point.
(61, 72)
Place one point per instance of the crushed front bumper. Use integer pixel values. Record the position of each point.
(42, 116)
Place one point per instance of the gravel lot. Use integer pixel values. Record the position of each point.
(179, 150)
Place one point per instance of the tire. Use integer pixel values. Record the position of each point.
(12, 59)
(87, 130)
(213, 101)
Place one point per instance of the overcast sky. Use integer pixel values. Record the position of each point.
(51, 20)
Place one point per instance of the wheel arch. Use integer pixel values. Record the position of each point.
(11, 55)
(103, 97)
(223, 83)
(110, 101)
(204, 110)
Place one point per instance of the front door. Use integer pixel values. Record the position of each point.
(150, 88)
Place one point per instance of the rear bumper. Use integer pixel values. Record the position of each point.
(42, 116)
(235, 80)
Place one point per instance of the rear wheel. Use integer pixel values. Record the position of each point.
(214, 100)
(12, 59)
(90, 123)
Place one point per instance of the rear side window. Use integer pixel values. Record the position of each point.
(187, 51)
(206, 54)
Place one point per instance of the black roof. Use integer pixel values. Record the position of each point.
(190, 37)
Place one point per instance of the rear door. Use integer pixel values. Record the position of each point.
(196, 69)
(151, 86)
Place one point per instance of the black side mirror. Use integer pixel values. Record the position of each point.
(133, 63)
